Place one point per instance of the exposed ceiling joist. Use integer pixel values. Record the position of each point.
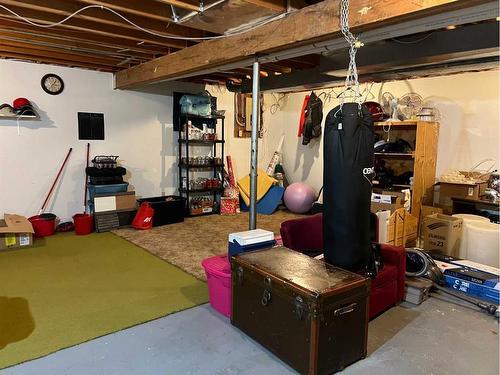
(96, 21)
(51, 52)
(275, 5)
(53, 60)
(68, 45)
(147, 9)
(65, 8)
(80, 36)
(312, 24)
(193, 6)
(476, 41)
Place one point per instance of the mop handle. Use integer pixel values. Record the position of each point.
(55, 181)
(86, 181)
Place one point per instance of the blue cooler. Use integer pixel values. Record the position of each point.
(250, 240)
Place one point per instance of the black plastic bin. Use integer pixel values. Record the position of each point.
(166, 211)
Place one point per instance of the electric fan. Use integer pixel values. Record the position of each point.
(410, 105)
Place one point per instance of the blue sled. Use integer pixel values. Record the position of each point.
(269, 202)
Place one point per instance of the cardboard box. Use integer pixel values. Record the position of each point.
(402, 228)
(115, 202)
(15, 232)
(442, 233)
(387, 201)
(429, 210)
(424, 212)
(469, 191)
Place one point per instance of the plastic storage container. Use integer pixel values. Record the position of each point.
(106, 189)
(44, 225)
(84, 224)
(468, 220)
(218, 271)
(168, 209)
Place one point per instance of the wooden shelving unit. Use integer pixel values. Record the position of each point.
(423, 136)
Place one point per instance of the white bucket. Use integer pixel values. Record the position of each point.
(482, 243)
(467, 220)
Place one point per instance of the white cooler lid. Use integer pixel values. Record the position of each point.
(251, 237)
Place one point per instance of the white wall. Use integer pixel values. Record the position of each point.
(138, 128)
(469, 130)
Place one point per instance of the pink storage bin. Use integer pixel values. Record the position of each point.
(218, 270)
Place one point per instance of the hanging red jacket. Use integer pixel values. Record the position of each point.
(303, 116)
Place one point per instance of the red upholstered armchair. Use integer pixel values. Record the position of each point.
(387, 288)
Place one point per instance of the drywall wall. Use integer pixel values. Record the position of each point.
(469, 130)
(138, 128)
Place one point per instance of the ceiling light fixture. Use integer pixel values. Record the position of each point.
(451, 27)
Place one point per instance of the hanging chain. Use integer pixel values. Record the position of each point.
(351, 80)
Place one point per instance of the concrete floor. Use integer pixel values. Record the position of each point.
(436, 337)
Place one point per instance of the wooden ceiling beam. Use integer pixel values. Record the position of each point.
(64, 8)
(92, 26)
(52, 60)
(68, 45)
(274, 5)
(312, 24)
(307, 60)
(79, 36)
(36, 51)
(192, 6)
(147, 9)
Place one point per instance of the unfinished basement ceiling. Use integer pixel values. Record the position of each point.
(452, 50)
(100, 40)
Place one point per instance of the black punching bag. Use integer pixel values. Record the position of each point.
(347, 185)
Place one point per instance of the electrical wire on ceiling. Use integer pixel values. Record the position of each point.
(413, 41)
(102, 7)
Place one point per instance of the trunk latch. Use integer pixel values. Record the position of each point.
(239, 275)
(266, 297)
(299, 308)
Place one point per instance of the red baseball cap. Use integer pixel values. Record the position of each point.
(20, 102)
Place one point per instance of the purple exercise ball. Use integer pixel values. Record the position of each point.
(299, 197)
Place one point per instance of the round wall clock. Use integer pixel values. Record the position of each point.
(52, 84)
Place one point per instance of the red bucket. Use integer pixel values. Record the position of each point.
(84, 223)
(44, 225)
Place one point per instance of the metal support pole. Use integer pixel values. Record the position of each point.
(253, 154)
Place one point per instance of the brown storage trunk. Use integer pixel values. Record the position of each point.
(311, 315)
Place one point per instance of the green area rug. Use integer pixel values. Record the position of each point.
(68, 289)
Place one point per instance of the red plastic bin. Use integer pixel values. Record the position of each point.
(44, 225)
(218, 271)
(84, 224)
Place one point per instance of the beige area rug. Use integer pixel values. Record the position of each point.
(186, 244)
